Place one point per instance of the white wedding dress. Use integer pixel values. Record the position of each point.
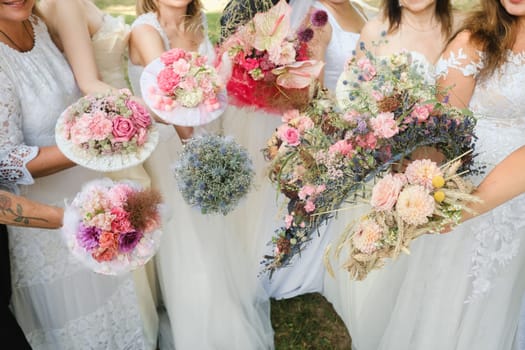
(58, 302)
(462, 290)
(208, 285)
(306, 272)
(364, 306)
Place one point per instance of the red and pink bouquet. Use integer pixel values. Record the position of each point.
(113, 227)
(270, 63)
(426, 198)
(183, 89)
(106, 132)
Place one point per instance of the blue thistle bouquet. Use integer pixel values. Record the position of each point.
(213, 173)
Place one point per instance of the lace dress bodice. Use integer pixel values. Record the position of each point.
(26, 88)
(110, 44)
(497, 102)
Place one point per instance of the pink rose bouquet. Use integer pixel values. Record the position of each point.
(426, 198)
(113, 227)
(106, 132)
(182, 88)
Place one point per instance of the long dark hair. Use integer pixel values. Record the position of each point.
(493, 30)
(392, 11)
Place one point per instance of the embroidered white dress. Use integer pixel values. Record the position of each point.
(306, 272)
(463, 290)
(208, 286)
(57, 301)
(364, 306)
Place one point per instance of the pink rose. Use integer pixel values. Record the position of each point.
(167, 80)
(368, 71)
(120, 221)
(384, 125)
(123, 129)
(139, 115)
(385, 192)
(289, 135)
(172, 55)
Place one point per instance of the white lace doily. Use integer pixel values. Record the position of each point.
(181, 115)
(104, 163)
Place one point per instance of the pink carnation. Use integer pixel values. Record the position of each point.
(421, 172)
(385, 192)
(80, 132)
(172, 55)
(167, 80)
(421, 113)
(415, 205)
(309, 206)
(120, 221)
(181, 67)
(343, 147)
(384, 125)
(367, 236)
(100, 126)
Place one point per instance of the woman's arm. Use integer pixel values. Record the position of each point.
(19, 211)
(145, 45)
(69, 20)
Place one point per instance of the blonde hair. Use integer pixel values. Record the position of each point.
(193, 12)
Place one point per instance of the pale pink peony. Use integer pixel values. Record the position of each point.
(167, 80)
(384, 125)
(368, 71)
(415, 205)
(123, 129)
(289, 135)
(385, 192)
(421, 172)
(367, 236)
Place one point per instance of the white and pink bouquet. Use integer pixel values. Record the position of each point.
(426, 198)
(113, 227)
(183, 89)
(106, 132)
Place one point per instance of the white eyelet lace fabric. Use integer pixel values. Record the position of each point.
(58, 303)
(498, 103)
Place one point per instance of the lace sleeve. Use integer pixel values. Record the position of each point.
(459, 61)
(14, 155)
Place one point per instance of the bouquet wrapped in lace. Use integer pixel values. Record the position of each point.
(213, 173)
(270, 63)
(426, 198)
(113, 227)
(323, 157)
(183, 89)
(106, 132)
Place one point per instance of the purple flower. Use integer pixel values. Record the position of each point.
(305, 35)
(319, 18)
(88, 237)
(127, 241)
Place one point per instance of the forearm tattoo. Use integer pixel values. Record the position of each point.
(15, 215)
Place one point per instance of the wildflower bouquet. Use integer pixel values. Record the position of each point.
(183, 89)
(113, 227)
(213, 173)
(426, 198)
(321, 158)
(271, 65)
(106, 132)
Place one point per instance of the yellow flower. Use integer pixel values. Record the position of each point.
(438, 181)
(439, 196)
